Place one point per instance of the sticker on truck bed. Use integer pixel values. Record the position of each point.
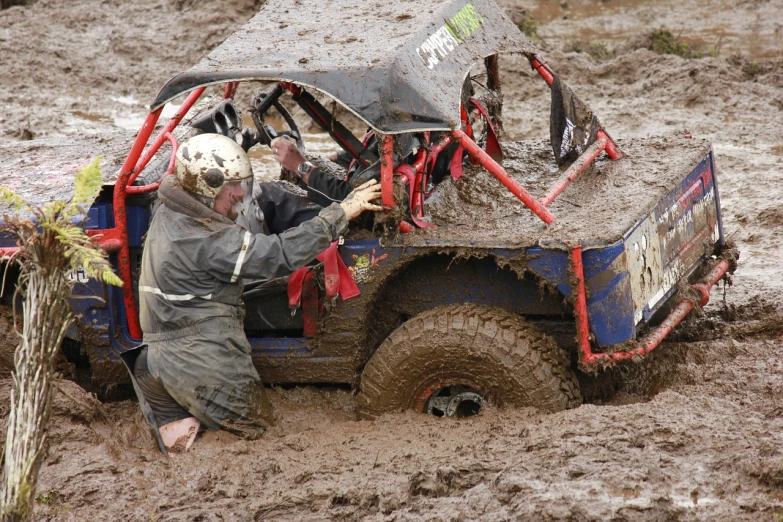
(671, 241)
(363, 264)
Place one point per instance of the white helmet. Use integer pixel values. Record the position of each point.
(206, 162)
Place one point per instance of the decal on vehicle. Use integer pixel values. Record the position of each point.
(671, 240)
(440, 43)
(78, 276)
(362, 265)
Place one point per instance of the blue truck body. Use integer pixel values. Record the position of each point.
(628, 279)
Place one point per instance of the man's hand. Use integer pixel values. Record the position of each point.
(359, 200)
(286, 153)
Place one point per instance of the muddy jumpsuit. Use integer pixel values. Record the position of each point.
(192, 313)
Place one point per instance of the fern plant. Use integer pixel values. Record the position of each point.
(51, 246)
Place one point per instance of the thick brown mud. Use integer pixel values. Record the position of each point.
(601, 205)
(694, 432)
(8, 341)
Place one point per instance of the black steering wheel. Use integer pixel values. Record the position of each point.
(261, 102)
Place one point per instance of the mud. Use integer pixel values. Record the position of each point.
(8, 341)
(604, 203)
(691, 433)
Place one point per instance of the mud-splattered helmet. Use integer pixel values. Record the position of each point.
(206, 162)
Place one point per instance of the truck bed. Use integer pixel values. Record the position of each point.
(599, 208)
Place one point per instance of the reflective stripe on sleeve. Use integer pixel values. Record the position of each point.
(172, 297)
(241, 258)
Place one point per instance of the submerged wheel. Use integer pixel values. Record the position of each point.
(451, 360)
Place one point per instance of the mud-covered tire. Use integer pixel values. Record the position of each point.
(501, 355)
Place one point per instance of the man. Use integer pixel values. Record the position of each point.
(196, 370)
(322, 188)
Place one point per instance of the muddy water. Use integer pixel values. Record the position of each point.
(721, 27)
(693, 433)
(266, 168)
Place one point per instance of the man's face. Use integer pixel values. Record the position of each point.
(229, 199)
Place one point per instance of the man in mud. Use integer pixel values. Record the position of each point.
(322, 188)
(196, 370)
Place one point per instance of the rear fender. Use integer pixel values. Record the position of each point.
(424, 279)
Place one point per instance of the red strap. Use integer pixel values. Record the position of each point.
(329, 258)
(295, 287)
(493, 144)
(337, 277)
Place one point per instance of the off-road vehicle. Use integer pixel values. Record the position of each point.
(498, 272)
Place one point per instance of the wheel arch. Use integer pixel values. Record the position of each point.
(441, 278)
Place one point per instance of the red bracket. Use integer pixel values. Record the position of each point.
(654, 339)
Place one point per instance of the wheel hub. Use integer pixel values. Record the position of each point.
(454, 401)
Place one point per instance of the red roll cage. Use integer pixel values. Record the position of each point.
(115, 239)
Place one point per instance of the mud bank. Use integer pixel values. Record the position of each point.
(692, 433)
(698, 444)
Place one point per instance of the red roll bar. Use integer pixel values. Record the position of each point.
(649, 343)
(476, 152)
(116, 239)
(387, 169)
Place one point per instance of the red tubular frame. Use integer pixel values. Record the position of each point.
(542, 68)
(154, 186)
(161, 137)
(230, 90)
(120, 230)
(116, 239)
(576, 168)
(496, 170)
(387, 170)
(649, 343)
(8, 251)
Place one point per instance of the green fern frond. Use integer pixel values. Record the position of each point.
(13, 200)
(104, 275)
(68, 235)
(88, 183)
(53, 209)
(81, 252)
(87, 186)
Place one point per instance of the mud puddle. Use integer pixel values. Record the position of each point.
(719, 29)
